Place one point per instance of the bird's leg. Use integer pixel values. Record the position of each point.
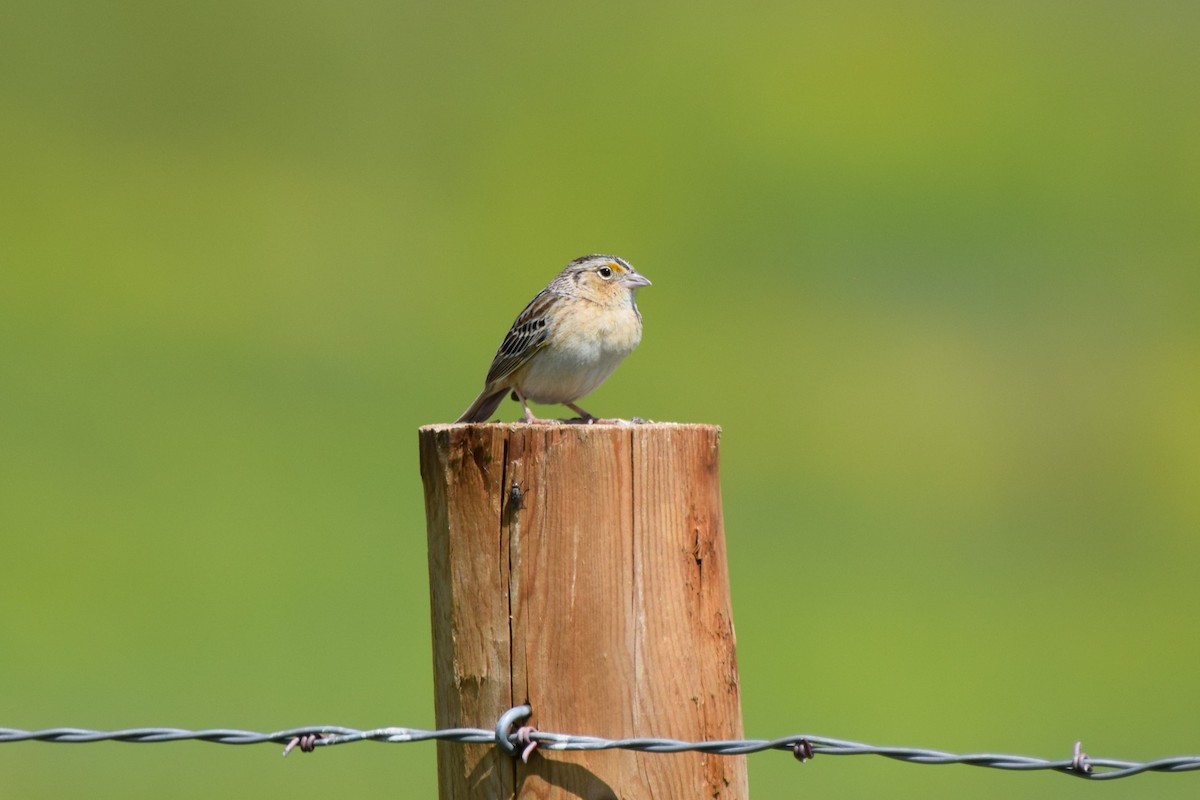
(585, 416)
(530, 419)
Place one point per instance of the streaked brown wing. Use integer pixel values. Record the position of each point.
(527, 335)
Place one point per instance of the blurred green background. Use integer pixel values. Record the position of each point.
(933, 267)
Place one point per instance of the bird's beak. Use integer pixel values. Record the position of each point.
(634, 280)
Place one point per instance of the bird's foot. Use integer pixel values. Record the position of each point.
(530, 419)
(584, 417)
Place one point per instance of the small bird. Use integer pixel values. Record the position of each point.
(569, 338)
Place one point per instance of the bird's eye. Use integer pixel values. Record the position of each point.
(605, 272)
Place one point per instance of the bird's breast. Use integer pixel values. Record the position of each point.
(603, 333)
(580, 355)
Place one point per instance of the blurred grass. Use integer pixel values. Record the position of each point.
(932, 267)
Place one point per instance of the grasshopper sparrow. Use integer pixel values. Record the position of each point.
(567, 340)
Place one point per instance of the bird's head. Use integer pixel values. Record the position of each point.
(602, 276)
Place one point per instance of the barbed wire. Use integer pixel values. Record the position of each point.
(523, 742)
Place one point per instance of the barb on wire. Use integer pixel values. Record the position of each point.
(522, 742)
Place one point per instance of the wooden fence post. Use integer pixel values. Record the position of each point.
(600, 597)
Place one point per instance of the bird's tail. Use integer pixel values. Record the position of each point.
(484, 406)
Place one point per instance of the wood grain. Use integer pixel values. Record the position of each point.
(603, 601)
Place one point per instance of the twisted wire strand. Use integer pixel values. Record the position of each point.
(802, 746)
